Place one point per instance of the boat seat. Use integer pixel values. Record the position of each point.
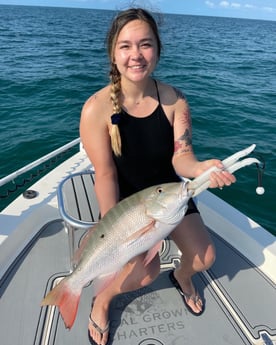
(78, 205)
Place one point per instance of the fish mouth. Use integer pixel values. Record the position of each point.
(174, 217)
(183, 197)
(184, 191)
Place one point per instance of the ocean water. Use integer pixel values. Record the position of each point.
(53, 59)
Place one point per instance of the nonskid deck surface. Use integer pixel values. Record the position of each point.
(240, 302)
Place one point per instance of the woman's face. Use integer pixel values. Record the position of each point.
(135, 53)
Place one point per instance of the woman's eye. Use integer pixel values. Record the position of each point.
(146, 45)
(123, 45)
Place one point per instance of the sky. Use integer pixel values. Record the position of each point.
(252, 9)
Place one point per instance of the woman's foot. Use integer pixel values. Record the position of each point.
(98, 327)
(190, 296)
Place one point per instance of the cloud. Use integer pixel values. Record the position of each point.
(224, 4)
(227, 4)
(210, 4)
(240, 6)
(269, 9)
(249, 6)
(235, 5)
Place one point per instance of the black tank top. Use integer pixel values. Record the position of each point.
(147, 150)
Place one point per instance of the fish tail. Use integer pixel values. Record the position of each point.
(66, 299)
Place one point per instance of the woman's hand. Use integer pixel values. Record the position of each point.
(217, 179)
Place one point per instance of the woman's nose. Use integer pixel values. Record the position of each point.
(136, 53)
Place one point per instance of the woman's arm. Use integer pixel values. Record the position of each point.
(184, 160)
(96, 142)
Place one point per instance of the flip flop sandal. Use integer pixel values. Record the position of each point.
(186, 296)
(98, 329)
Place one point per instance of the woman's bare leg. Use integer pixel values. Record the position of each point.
(198, 254)
(133, 276)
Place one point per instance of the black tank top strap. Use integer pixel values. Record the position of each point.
(157, 91)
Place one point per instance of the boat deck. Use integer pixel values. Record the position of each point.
(154, 315)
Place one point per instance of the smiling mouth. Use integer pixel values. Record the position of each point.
(137, 67)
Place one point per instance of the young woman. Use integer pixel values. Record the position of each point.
(137, 133)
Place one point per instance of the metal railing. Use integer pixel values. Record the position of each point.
(39, 161)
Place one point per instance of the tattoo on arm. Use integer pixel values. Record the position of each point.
(186, 119)
(179, 94)
(186, 137)
(184, 143)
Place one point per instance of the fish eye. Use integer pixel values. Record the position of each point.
(159, 190)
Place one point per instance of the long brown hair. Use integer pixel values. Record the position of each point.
(118, 23)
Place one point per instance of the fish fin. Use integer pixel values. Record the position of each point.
(152, 252)
(66, 300)
(102, 282)
(84, 240)
(141, 232)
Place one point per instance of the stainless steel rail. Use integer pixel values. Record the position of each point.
(39, 161)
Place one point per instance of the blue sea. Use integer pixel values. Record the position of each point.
(53, 59)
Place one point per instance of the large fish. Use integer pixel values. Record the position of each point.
(136, 225)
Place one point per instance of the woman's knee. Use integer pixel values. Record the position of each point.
(195, 243)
